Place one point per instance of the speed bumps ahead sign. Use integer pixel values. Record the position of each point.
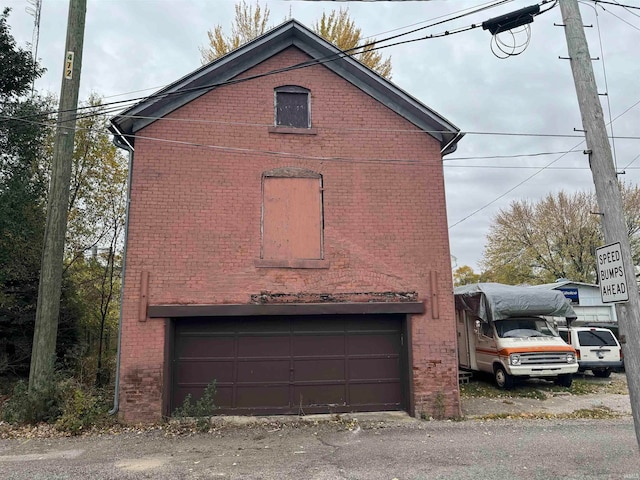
(613, 282)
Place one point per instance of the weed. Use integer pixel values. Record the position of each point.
(201, 410)
(439, 406)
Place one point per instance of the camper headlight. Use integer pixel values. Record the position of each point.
(571, 358)
(514, 359)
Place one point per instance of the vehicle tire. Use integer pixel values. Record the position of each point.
(565, 380)
(503, 379)
(603, 373)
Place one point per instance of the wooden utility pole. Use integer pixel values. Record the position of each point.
(50, 286)
(608, 193)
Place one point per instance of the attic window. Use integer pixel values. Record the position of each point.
(292, 107)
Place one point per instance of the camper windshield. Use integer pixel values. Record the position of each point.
(524, 327)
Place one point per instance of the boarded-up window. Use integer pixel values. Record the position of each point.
(292, 107)
(292, 217)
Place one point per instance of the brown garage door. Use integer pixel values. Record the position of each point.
(290, 365)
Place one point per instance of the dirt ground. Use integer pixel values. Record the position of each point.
(555, 403)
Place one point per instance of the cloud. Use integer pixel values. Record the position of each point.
(133, 45)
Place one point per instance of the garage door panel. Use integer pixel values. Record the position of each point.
(268, 365)
(204, 346)
(263, 346)
(319, 395)
(374, 368)
(205, 371)
(258, 326)
(375, 343)
(312, 345)
(319, 369)
(263, 396)
(379, 393)
(264, 371)
(319, 324)
(224, 397)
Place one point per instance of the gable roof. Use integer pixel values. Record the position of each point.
(291, 33)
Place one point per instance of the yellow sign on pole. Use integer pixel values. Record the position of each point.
(68, 66)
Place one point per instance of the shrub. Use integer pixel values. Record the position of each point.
(81, 408)
(42, 405)
(63, 402)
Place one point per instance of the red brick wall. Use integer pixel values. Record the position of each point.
(195, 219)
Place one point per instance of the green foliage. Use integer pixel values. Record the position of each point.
(18, 68)
(63, 402)
(23, 189)
(42, 405)
(465, 275)
(204, 407)
(556, 237)
(82, 408)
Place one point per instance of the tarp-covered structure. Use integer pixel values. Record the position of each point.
(495, 301)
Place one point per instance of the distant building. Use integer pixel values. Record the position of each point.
(586, 301)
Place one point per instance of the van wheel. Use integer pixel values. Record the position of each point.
(565, 380)
(604, 373)
(503, 379)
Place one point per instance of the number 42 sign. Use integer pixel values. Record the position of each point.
(611, 276)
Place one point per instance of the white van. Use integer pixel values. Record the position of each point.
(597, 349)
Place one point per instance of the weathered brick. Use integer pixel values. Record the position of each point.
(195, 220)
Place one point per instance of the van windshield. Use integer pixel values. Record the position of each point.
(524, 327)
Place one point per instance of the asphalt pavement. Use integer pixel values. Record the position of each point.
(385, 448)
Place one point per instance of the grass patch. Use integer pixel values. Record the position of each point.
(596, 413)
(482, 387)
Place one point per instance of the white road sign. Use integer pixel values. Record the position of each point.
(613, 282)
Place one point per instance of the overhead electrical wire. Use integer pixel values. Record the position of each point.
(319, 61)
(467, 132)
(369, 160)
(620, 18)
(121, 103)
(531, 176)
(617, 4)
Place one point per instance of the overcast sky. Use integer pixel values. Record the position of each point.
(131, 45)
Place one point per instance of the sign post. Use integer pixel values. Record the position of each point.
(611, 275)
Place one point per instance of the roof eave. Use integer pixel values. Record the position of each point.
(242, 59)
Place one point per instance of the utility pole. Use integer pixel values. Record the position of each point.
(50, 286)
(608, 193)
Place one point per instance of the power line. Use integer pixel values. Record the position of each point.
(620, 18)
(372, 161)
(319, 61)
(367, 37)
(373, 130)
(616, 4)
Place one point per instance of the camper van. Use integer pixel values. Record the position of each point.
(502, 330)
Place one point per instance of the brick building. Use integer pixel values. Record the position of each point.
(287, 239)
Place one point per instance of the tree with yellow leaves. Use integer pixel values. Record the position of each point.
(336, 27)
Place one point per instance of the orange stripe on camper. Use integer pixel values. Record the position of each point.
(539, 348)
